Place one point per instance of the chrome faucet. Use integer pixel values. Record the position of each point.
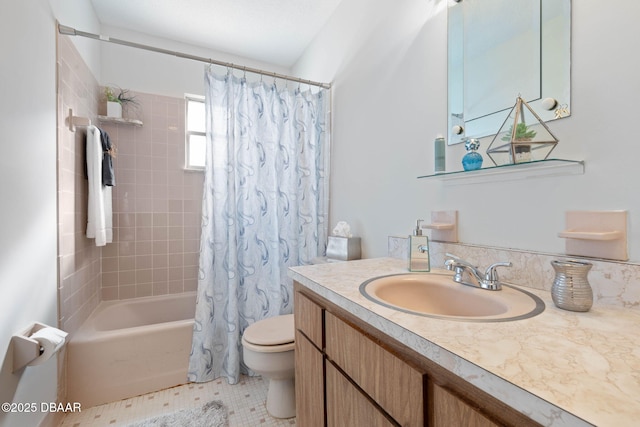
(467, 274)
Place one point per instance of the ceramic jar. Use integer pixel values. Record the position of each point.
(571, 289)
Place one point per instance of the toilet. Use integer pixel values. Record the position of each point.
(268, 350)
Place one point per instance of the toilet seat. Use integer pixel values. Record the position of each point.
(271, 335)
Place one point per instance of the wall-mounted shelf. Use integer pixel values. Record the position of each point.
(591, 235)
(120, 121)
(439, 226)
(598, 234)
(539, 168)
(444, 226)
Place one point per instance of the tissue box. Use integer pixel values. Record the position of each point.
(343, 248)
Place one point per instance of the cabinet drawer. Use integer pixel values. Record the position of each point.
(396, 386)
(347, 406)
(308, 317)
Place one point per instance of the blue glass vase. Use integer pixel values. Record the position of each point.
(472, 160)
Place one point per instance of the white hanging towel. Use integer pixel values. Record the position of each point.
(99, 209)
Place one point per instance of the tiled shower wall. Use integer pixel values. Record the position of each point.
(78, 258)
(156, 204)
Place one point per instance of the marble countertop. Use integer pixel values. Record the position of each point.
(560, 368)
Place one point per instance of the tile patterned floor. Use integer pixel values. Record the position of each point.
(245, 402)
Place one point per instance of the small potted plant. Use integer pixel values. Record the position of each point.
(523, 133)
(521, 152)
(115, 103)
(114, 107)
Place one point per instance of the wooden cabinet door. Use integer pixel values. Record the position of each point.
(449, 410)
(308, 318)
(309, 383)
(347, 406)
(393, 384)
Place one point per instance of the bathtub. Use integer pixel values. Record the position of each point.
(130, 347)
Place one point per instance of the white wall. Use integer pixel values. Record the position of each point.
(79, 14)
(28, 223)
(28, 193)
(387, 60)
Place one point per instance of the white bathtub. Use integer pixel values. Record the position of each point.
(130, 347)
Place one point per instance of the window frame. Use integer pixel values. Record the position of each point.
(189, 133)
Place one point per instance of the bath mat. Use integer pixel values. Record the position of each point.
(212, 414)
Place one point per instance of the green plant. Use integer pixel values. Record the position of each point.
(110, 95)
(523, 133)
(123, 96)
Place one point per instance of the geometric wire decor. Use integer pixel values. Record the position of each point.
(518, 141)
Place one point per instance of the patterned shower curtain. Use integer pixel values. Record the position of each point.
(264, 209)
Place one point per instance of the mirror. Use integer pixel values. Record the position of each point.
(499, 50)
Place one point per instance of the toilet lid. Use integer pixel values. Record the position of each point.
(275, 330)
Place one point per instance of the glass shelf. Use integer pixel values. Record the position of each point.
(539, 168)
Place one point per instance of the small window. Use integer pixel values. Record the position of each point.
(196, 137)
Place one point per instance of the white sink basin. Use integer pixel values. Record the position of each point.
(437, 295)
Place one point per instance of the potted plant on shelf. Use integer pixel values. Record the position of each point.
(115, 103)
(521, 152)
(522, 133)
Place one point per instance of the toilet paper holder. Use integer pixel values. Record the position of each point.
(25, 348)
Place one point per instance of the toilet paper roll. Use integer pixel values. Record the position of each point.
(51, 340)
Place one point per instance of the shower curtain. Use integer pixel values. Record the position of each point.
(264, 209)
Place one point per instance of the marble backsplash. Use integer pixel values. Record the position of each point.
(614, 283)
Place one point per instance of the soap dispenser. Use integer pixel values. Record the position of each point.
(419, 250)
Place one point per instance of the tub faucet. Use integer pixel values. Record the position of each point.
(468, 274)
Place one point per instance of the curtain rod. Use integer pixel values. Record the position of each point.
(69, 31)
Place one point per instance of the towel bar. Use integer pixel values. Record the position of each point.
(74, 121)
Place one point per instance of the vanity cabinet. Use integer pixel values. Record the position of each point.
(350, 373)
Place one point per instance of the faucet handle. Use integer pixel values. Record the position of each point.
(491, 275)
(452, 256)
(451, 261)
(454, 261)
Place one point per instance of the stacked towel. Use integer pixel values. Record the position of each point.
(99, 209)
